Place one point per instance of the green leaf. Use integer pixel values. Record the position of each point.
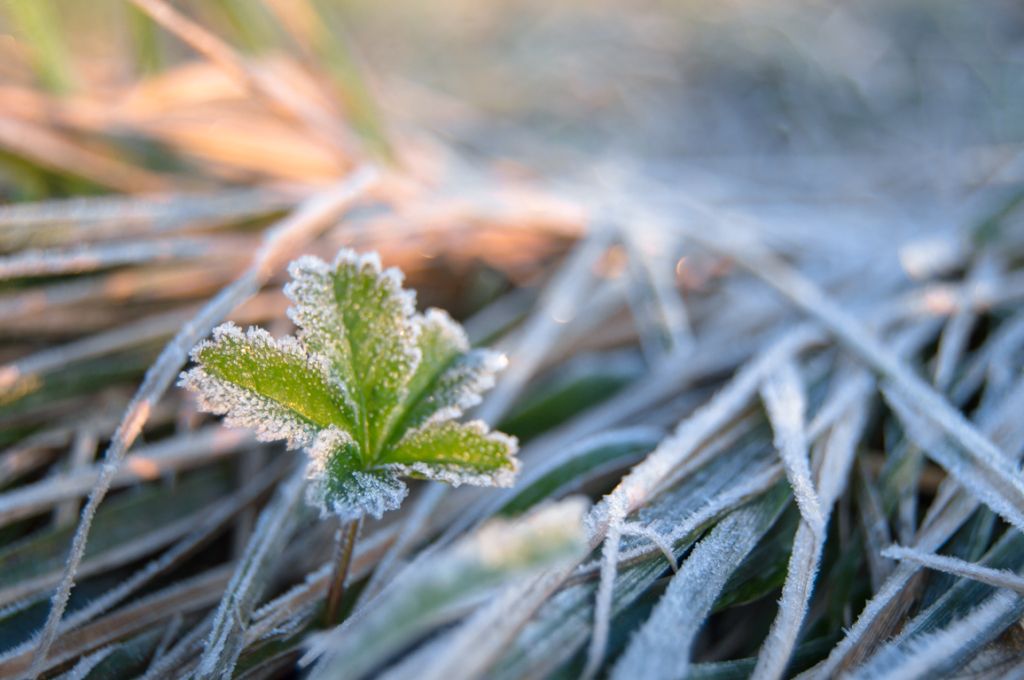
(272, 386)
(450, 377)
(368, 386)
(441, 341)
(457, 453)
(359, 319)
(341, 486)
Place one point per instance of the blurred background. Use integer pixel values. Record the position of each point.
(897, 95)
(532, 157)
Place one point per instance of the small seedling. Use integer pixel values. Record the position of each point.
(370, 388)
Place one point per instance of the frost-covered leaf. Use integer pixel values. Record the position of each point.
(441, 341)
(562, 625)
(662, 647)
(358, 318)
(272, 386)
(936, 654)
(457, 453)
(339, 485)
(965, 596)
(368, 385)
(450, 377)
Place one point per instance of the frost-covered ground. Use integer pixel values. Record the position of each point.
(754, 268)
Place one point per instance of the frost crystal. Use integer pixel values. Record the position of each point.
(339, 486)
(369, 386)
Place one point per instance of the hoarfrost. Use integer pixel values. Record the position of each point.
(786, 403)
(339, 487)
(466, 453)
(661, 541)
(1001, 492)
(451, 376)
(87, 663)
(1001, 578)
(369, 386)
(438, 321)
(660, 650)
(606, 587)
(805, 558)
(244, 407)
(928, 656)
(458, 388)
(273, 530)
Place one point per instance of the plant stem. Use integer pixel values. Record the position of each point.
(342, 559)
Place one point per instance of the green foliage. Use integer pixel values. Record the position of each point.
(369, 386)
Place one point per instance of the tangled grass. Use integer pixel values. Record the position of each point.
(756, 269)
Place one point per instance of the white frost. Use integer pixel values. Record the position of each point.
(449, 329)
(928, 655)
(244, 407)
(359, 492)
(459, 387)
(504, 476)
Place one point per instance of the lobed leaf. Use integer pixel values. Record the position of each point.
(450, 377)
(441, 341)
(368, 386)
(272, 386)
(340, 485)
(457, 453)
(358, 318)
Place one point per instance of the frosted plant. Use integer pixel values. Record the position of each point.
(369, 387)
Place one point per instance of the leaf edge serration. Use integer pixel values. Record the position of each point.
(456, 474)
(371, 499)
(366, 484)
(240, 406)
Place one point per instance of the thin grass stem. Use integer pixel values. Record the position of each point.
(346, 540)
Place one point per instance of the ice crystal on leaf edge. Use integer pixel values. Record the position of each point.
(369, 387)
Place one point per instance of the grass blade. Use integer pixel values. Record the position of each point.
(661, 649)
(281, 243)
